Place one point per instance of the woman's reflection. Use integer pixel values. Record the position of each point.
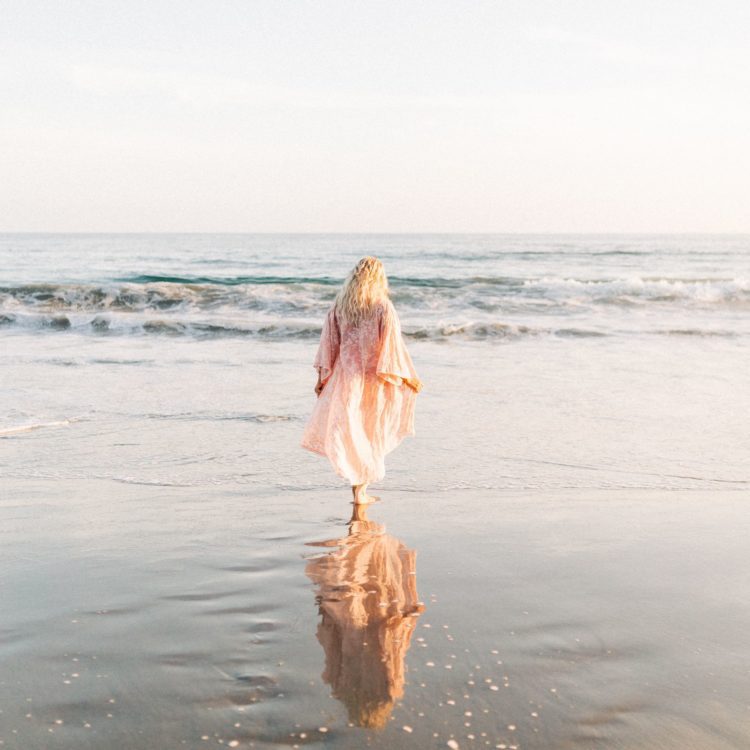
(367, 595)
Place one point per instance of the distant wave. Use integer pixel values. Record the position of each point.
(429, 281)
(480, 331)
(306, 294)
(280, 330)
(434, 308)
(122, 325)
(229, 280)
(290, 330)
(642, 290)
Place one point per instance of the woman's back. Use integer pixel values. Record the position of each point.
(360, 340)
(367, 383)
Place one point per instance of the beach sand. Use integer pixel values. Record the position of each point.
(171, 617)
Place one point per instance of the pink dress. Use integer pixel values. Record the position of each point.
(367, 405)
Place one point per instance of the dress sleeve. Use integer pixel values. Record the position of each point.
(328, 350)
(394, 363)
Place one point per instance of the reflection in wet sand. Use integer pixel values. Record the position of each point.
(367, 594)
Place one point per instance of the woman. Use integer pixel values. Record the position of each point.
(366, 385)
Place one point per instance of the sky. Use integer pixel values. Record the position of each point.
(377, 116)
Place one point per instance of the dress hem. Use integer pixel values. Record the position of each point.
(322, 452)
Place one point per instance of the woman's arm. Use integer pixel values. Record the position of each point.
(328, 350)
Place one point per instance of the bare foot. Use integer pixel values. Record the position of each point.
(364, 499)
(359, 491)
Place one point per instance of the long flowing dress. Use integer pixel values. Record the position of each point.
(367, 404)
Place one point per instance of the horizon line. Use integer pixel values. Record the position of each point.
(609, 233)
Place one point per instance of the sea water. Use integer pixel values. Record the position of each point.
(571, 516)
(592, 361)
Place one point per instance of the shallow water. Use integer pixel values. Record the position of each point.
(573, 507)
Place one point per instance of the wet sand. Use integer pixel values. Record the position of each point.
(137, 616)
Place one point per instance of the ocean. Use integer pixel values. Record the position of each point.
(473, 287)
(537, 336)
(575, 494)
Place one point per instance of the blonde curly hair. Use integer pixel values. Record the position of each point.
(365, 286)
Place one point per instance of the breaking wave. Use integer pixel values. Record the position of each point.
(432, 308)
(287, 330)
(309, 294)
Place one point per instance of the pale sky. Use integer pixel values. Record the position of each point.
(377, 116)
